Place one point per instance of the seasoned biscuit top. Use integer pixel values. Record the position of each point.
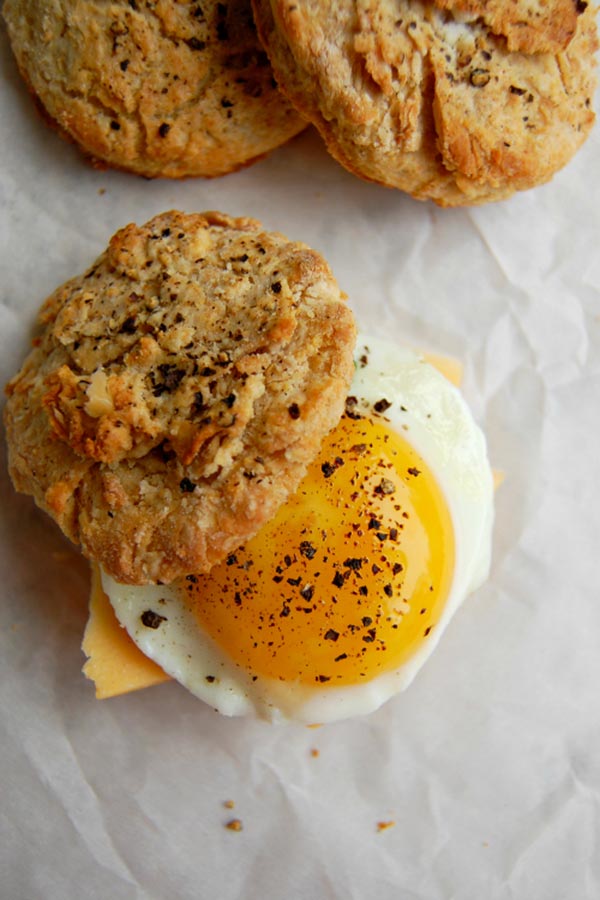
(158, 88)
(178, 390)
(534, 26)
(458, 101)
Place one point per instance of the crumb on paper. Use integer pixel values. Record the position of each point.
(315, 725)
(101, 191)
(383, 826)
(63, 556)
(314, 752)
(228, 804)
(234, 825)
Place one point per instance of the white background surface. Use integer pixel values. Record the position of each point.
(489, 765)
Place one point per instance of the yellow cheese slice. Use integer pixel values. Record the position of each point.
(451, 368)
(114, 664)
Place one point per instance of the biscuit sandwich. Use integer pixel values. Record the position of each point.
(280, 516)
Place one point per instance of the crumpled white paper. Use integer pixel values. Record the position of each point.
(488, 765)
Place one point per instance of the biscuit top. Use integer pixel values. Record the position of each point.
(528, 25)
(457, 101)
(178, 391)
(158, 88)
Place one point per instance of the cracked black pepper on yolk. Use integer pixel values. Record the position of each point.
(349, 578)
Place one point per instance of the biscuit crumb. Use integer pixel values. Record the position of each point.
(228, 804)
(234, 825)
(383, 826)
(62, 556)
(314, 752)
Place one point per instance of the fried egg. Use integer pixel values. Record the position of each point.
(336, 604)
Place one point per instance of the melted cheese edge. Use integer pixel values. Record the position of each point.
(115, 664)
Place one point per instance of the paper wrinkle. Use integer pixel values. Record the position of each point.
(491, 245)
(524, 258)
(80, 803)
(130, 872)
(542, 826)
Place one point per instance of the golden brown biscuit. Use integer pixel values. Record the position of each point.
(178, 391)
(529, 25)
(456, 101)
(170, 89)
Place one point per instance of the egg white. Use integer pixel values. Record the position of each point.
(430, 413)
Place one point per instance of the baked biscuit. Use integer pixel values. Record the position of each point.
(457, 101)
(169, 89)
(178, 391)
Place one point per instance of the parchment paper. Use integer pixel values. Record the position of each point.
(489, 764)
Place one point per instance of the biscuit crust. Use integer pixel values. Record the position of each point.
(160, 89)
(457, 101)
(178, 390)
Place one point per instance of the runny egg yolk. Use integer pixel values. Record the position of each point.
(349, 578)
